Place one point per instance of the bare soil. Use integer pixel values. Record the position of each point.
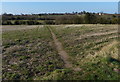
(64, 55)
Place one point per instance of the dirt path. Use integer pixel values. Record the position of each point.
(64, 56)
(96, 34)
(6, 28)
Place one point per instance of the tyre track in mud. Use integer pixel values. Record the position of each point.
(63, 54)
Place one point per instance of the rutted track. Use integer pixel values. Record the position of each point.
(64, 56)
(96, 34)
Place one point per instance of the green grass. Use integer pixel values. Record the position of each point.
(28, 54)
(31, 54)
(89, 53)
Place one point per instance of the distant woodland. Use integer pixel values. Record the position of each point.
(60, 18)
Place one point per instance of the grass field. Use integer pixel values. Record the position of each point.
(31, 52)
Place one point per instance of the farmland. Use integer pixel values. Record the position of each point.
(60, 52)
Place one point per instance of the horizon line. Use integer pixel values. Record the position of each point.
(59, 13)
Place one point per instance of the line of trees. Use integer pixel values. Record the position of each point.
(19, 22)
(74, 18)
